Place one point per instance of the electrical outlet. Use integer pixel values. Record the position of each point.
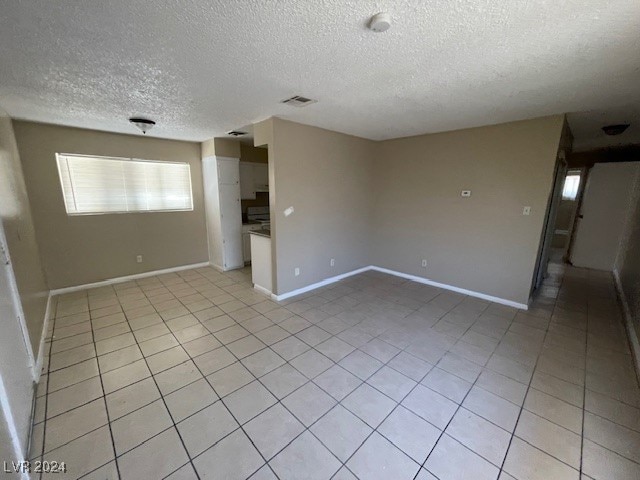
(332, 262)
(138, 258)
(526, 211)
(296, 271)
(424, 262)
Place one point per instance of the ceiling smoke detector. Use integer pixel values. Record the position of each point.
(236, 133)
(298, 101)
(144, 124)
(615, 129)
(380, 22)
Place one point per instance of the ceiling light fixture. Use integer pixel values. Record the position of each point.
(144, 124)
(236, 133)
(380, 22)
(615, 129)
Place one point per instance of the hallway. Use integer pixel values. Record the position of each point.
(195, 375)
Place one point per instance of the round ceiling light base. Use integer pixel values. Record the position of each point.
(380, 22)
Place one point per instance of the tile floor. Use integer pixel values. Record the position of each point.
(195, 375)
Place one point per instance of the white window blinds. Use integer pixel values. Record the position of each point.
(94, 185)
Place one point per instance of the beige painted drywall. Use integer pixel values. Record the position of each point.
(15, 212)
(84, 249)
(327, 178)
(253, 154)
(222, 147)
(628, 261)
(482, 243)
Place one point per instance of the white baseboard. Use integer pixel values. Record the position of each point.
(111, 281)
(37, 369)
(414, 278)
(471, 293)
(262, 290)
(628, 322)
(313, 286)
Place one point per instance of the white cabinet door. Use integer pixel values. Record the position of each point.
(228, 171)
(231, 219)
(247, 183)
(261, 176)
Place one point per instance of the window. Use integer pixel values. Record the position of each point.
(571, 185)
(94, 185)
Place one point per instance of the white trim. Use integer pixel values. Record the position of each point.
(11, 427)
(262, 290)
(471, 293)
(37, 369)
(628, 322)
(426, 281)
(313, 286)
(111, 281)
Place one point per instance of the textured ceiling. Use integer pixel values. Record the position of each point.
(203, 67)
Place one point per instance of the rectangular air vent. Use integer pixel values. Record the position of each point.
(236, 133)
(298, 101)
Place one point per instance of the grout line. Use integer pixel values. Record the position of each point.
(364, 290)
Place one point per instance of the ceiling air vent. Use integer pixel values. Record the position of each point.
(236, 133)
(298, 101)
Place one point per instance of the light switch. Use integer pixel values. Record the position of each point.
(465, 193)
(526, 211)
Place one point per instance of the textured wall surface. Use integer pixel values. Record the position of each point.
(15, 213)
(89, 248)
(204, 67)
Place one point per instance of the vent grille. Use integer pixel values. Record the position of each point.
(236, 133)
(298, 101)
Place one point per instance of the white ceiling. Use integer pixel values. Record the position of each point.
(203, 67)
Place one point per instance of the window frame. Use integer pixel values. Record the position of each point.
(125, 159)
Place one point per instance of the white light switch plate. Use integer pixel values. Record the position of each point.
(465, 193)
(526, 211)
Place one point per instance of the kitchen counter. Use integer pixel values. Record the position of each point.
(262, 232)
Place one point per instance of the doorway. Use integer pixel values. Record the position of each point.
(550, 221)
(601, 220)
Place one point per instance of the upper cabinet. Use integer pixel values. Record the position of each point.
(254, 177)
(261, 177)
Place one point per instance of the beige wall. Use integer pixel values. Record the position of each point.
(628, 261)
(15, 214)
(482, 243)
(327, 178)
(84, 249)
(223, 147)
(253, 154)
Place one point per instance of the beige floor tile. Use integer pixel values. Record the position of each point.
(525, 461)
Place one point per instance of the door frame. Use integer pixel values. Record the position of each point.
(555, 196)
(577, 214)
(19, 445)
(5, 258)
